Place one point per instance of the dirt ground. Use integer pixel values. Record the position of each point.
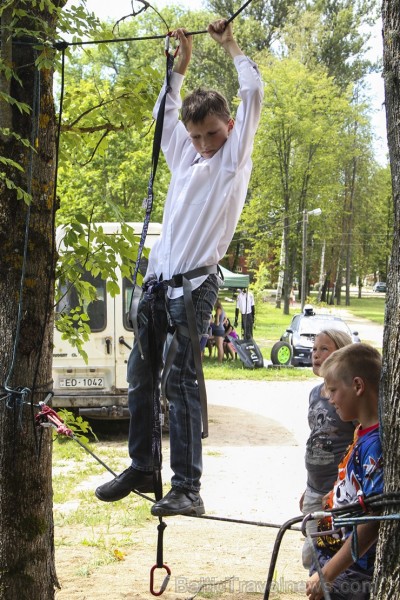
(253, 471)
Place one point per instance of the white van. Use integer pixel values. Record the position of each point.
(98, 389)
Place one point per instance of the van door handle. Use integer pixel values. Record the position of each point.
(108, 345)
(122, 341)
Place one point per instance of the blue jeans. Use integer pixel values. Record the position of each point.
(144, 377)
(353, 584)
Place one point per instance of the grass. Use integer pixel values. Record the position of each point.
(372, 308)
(234, 369)
(79, 519)
(269, 326)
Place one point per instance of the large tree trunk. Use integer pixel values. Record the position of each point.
(27, 568)
(388, 562)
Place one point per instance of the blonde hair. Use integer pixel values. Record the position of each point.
(339, 338)
(354, 360)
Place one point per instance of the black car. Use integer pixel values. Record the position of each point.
(295, 345)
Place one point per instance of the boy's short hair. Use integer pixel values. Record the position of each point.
(338, 337)
(355, 360)
(203, 102)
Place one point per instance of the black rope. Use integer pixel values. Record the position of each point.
(62, 43)
(34, 130)
(16, 398)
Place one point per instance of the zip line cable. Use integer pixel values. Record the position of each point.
(61, 44)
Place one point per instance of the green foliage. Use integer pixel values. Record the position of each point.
(262, 282)
(34, 20)
(73, 326)
(86, 247)
(296, 155)
(79, 427)
(333, 35)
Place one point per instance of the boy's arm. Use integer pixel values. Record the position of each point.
(174, 135)
(342, 560)
(184, 52)
(241, 138)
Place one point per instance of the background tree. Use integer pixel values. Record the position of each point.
(295, 156)
(387, 565)
(333, 34)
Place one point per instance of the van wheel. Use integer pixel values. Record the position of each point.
(281, 354)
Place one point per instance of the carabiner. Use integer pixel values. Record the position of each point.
(167, 44)
(164, 583)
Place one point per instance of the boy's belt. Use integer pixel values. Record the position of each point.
(177, 280)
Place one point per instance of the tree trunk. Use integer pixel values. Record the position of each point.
(388, 552)
(27, 261)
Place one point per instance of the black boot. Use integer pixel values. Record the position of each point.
(129, 480)
(179, 502)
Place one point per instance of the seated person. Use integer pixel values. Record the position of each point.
(229, 349)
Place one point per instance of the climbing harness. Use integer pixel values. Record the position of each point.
(183, 280)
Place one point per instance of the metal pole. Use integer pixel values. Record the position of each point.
(304, 260)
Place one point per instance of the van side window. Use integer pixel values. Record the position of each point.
(96, 309)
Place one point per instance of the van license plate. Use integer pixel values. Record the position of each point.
(81, 382)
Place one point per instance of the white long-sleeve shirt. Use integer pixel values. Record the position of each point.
(205, 198)
(245, 302)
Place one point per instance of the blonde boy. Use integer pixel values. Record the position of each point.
(352, 376)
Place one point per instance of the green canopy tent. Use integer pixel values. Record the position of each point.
(234, 280)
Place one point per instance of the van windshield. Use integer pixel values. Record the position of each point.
(96, 309)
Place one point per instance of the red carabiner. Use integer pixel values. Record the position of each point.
(164, 583)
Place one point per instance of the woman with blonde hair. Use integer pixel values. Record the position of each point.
(218, 330)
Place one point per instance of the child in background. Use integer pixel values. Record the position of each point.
(352, 376)
(329, 436)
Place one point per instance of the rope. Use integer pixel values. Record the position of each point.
(60, 44)
(34, 132)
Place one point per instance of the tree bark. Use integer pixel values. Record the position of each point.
(27, 267)
(387, 568)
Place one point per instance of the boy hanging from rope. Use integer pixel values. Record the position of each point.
(209, 156)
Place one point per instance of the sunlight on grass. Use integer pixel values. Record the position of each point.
(234, 369)
(369, 308)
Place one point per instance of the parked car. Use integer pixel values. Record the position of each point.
(296, 343)
(380, 286)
